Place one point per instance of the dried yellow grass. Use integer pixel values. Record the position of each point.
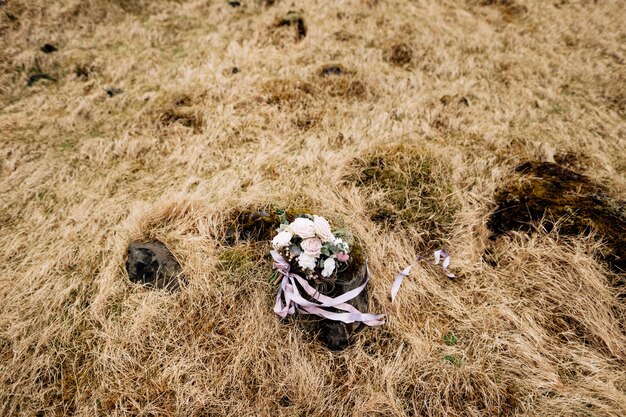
(481, 85)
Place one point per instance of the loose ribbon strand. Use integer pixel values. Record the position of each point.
(405, 273)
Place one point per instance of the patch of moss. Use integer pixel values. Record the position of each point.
(549, 192)
(258, 224)
(235, 259)
(406, 185)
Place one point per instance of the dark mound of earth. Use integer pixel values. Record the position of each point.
(557, 196)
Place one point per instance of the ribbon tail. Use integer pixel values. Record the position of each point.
(283, 308)
(438, 254)
(398, 281)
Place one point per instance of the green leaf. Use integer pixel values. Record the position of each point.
(282, 216)
(450, 339)
(453, 360)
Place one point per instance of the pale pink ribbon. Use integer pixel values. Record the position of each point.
(438, 255)
(289, 300)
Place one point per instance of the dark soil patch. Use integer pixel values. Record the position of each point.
(400, 55)
(153, 265)
(293, 19)
(454, 99)
(556, 195)
(509, 8)
(112, 92)
(48, 48)
(344, 87)
(84, 71)
(287, 93)
(34, 78)
(329, 70)
(183, 116)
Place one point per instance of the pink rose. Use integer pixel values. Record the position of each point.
(312, 246)
(303, 227)
(343, 257)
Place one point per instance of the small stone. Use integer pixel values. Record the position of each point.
(48, 48)
(234, 3)
(328, 70)
(153, 265)
(111, 92)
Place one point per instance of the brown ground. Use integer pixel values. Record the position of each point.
(397, 119)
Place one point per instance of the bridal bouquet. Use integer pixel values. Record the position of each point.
(309, 241)
(307, 250)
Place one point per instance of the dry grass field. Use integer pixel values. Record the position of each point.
(399, 120)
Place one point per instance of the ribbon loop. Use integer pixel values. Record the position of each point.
(289, 300)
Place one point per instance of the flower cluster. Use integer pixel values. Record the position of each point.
(310, 242)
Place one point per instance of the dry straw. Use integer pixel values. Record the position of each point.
(159, 119)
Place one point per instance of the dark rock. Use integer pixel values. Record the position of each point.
(112, 92)
(234, 3)
(554, 194)
(38, 77)
(153, 265)
(48, 48)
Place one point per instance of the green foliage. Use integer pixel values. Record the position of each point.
(453, 360)
(406, 185)
(235, 259)
(450, 339)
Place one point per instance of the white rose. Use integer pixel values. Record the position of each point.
(306, 261)
(322, 228)
(282, 239)
(329, 267)
(303, 227)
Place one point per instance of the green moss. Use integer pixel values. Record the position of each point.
(235, 259)
(406, 185)
(258, 224)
